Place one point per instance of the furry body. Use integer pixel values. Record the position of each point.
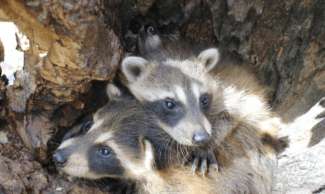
(142, 152)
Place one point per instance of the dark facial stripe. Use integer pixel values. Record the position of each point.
(104, 164)
(167, 116)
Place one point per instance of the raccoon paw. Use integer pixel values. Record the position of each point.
(204, 161)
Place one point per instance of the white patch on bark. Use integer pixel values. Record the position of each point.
(301, 167)
(14, 43)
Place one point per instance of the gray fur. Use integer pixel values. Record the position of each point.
(247, 164)
(162, 81)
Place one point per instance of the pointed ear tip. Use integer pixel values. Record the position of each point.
(133, 61)
(214, 50)
(134, 67)
(209, 52)
(134, 58)
(126, 60)
(210, 57)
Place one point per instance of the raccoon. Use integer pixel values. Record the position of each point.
(186, 93)
(125, 142)
(228, 68)
(179, 101)
(117, 116)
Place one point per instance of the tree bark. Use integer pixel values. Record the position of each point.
(76, 46)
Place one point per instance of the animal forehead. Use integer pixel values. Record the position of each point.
(185, 89)
(105, 112)
(101, 137)
(101, 130)
(167, 73)
(110, 117)
(189, 67)
(172, 78)
(124, 124)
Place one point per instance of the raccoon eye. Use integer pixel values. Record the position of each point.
(104, 151)
(204, 100)
(170, 103)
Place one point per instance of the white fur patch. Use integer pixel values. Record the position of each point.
(104, 137)
(180, 93)
(149, 156)
(66, 143)
(207, 125)
(96, 124)
(196, 90)
(78, 166)
(247, 106)
(152, 94)
(191, 68)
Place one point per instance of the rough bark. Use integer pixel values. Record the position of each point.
(71, 48)
(284, 40)
(76, 46)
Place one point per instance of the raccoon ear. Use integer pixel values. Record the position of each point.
(209, 58)
(113, 92)
(133, 68)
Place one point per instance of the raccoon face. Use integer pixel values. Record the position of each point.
(83, 156)
(112, 147)
(179, 93)
(89, 154)
(107, 158)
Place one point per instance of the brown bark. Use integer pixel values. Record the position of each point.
(53, 91)
(83, 42)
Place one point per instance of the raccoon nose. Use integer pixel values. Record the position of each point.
(59, 158)
(200, 137)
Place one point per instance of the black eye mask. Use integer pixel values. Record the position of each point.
(169, 117)
(102, 160)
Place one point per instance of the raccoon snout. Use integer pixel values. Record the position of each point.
(200, 137)
(60, 158)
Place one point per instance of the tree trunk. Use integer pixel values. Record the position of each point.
(74, 48)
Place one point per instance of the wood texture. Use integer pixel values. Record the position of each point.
(76, 46)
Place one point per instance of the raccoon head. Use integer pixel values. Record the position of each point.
(114, 145)
(179, 92)
(84, 157)
(91, 155)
